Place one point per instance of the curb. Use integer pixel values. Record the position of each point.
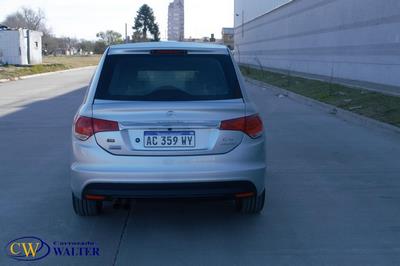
(44, 74)
(333, 110)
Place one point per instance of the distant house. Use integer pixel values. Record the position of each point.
(67, 51)
(20, 46)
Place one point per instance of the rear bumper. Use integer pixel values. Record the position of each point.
(190, 183)
(170, 190)
(97, 172)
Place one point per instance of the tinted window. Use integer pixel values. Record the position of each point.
(168, 78)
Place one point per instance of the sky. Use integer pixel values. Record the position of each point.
(84, 18)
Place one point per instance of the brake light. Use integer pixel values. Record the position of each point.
(244, 194)
(254, 126)
(85, 127)
(100, 125)
(95, 197)
(168, 52)
(251, 125)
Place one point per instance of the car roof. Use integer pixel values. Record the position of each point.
(166, 45)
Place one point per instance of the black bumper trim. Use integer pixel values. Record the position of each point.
(226, 189)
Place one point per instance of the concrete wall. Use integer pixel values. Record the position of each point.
(23, 47)
(14, 47)
(355, 40)
(248, 10)
(35, 47)
(9, 47)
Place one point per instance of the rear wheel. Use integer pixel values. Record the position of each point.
(84, 207)
(253, 204)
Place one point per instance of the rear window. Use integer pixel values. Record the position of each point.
(168, 78)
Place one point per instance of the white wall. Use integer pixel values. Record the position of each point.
(9, 47)
(14, 47)
(35, 47)
(23, 46)
(351, 39)
(254, 8)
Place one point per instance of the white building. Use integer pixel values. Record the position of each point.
(353, 41)
(176, 21)
(20, 46)
(228, 37)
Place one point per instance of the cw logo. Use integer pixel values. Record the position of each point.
(27, 248)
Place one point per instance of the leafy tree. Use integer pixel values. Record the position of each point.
(99, 47)
(144, 23)
(110, 37)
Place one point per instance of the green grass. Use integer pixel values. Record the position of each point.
(378, 106)
(50, 64)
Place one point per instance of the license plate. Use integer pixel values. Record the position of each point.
(167, 139)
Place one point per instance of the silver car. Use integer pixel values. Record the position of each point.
(167, 120)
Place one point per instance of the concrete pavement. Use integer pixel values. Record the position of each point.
(333, 191)
(16, 94)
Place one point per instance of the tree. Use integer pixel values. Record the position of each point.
(144, 23)
(99, 47)
(110, 37)
(86, 46)
(31, 19)
(27, 18)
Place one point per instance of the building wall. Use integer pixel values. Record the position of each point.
(10, 47)
(176, 20)
(14, 47)
(35, 47)
(251, 9)
(23, 46)
(355, 40)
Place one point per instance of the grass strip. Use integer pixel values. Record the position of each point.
(375, 105)
(50, 64)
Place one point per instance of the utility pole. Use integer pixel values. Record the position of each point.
(242, 24)
(126, 33)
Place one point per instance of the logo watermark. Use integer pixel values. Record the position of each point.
(31, 248)
(75, 249)
(28, 248)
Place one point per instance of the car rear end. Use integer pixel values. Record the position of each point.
(167, 121)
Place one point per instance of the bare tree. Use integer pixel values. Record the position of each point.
(34, 19)
(27, 18)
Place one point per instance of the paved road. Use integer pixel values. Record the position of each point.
(333, 191)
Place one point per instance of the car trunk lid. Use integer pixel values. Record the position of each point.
(164, 128)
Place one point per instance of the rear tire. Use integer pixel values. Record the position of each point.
(84, 207)
(254, 204)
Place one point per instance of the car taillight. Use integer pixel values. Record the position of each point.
(251, 125)
(100, 125)
(85, 127)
